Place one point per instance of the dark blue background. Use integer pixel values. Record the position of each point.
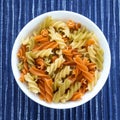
(14, 105)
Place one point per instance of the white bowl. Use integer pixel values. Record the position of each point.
(63, 15)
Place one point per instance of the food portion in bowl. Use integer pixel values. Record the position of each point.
(60, 61)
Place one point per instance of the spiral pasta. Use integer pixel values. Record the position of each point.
(56, 37)
(73, 88)
(61, 90)
(20, 65)
(93, 83)
(42, 89)
(29, 42)
(96, 56)
(55, 65)
(62, 27)
(42, 53)
(60, 61)
(49, 90)
(80, 37)
(46, 23)
(32, 85)
(30, 59)
(62, 74)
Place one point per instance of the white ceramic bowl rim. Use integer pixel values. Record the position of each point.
(63, 15)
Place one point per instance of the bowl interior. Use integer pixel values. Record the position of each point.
(63, 15)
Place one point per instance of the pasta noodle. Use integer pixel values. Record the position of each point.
(42, 53)
(55, 65)
(62, 74)
(60, 61)
(61, 90)
(57, 37)
(73, 88)
(32, 85)
(46, 91)
(62, 27)
(49, 90)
